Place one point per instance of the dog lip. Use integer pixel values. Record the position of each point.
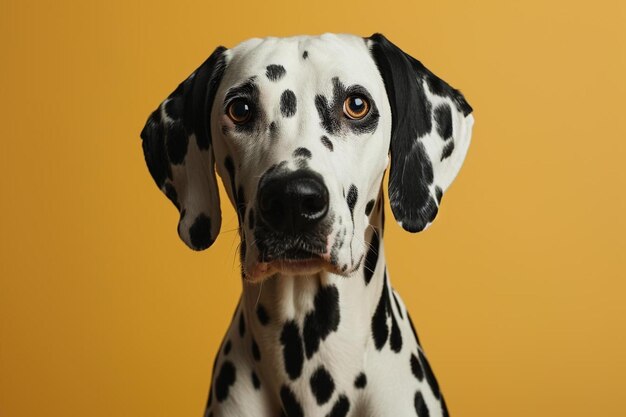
(301, 266)
(295, 254)
(313, 263)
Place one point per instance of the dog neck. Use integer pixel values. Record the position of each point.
(296, 323)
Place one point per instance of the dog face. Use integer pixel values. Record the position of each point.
(300, 130)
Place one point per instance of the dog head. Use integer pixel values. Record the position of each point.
(301, 131)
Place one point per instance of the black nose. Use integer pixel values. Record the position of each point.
(294, 202)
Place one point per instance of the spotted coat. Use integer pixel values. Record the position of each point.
(333, 340)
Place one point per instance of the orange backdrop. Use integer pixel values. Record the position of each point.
(518, 290)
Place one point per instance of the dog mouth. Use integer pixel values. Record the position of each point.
(292, 261)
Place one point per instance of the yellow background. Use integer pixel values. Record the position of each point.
(518, 290)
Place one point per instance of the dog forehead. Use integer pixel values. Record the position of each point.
(329, 55)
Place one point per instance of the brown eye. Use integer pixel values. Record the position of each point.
(239, 111)
(356, 107)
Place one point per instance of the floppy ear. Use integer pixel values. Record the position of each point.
(179, 153)
(430, 134)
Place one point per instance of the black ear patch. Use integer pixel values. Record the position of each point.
(413, 199)
(176, 128)
(416, 206)
(200, 232)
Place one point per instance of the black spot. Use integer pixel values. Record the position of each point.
(443, 117)
(171, 194)
(411, 201)
(395, 338)
(411, 170)
(275, 72)
(305, 54)
(360, 381)
(256, 353)
(447, 150)
(242, 324)
(328, 119)
(326, 142)
(405, 90)
(302, 153)
(251, 219)
(292, 349)
(290, 404)
(395, 298)
(225, 379)
(227, 347)
(322, 320)
(341, 407)
(416, 368)
(368, 207)
(420, 405)
(430, 376)
(255, 381)
(200, 232)
(288, 103)
(261, 313)
(353, 195)
(322, 385)
(372, 258)
(438, 194)
(380, 329)
(177, 143)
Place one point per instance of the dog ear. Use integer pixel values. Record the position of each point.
(430, 134)
(179, 153)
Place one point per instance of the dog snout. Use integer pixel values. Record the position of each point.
(293, 203)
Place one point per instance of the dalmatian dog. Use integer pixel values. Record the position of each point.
(301, 131)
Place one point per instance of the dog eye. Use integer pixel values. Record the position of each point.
(356, 107)
(239, 111)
